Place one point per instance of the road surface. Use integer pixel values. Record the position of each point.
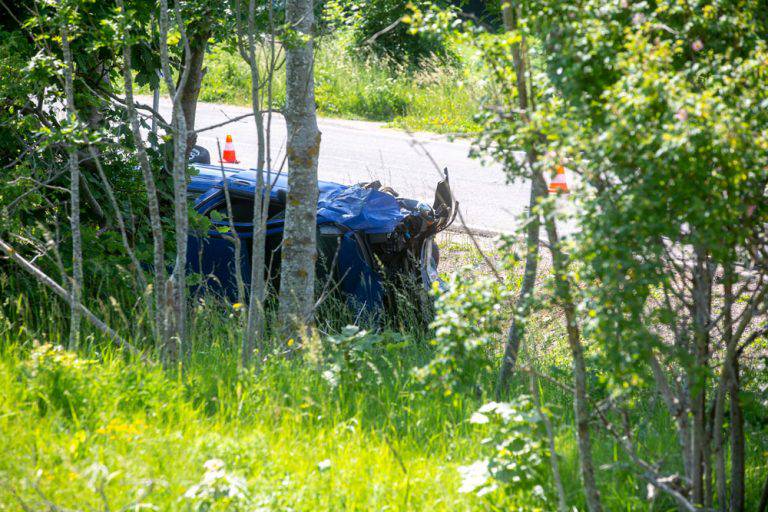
(356, 151)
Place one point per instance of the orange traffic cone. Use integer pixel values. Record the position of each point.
(558, 184)
(228, 157)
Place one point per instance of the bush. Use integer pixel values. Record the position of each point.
(374, 33)
(516, 465)
(467, 326)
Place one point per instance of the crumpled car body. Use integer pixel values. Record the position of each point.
(368, 238)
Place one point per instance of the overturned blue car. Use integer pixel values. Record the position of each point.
(370, 241)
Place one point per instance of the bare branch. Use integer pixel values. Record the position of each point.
(43, 278)
(232, 120)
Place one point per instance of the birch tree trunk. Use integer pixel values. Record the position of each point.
(158, 238)
(233, 231)
(297, 274)
(247, 49)
(726, 374)
(255, 324)
(74, 170)
(702, 304)
(178, 284)
(738, 448)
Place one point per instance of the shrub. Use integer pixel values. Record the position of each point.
(467, 323)
(374, 34)
(353, 356)
(517, 462)
(217, 489)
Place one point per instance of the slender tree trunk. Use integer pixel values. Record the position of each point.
(562, 505)
(522, 306)
(580, 400)
(86, 189)
(233, 232)
(737, 441)
(702, 285)
(74, 170)
(180, 216)
(155, 107)
(91, 110)
(510, 13)
(247, 48)
(538, 187)
(256, 322)
(517, 328)
(718, 444)
(153, 204)
(178, 285)
(297, 273)
(190, 90)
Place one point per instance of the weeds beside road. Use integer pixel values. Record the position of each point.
(436, 98)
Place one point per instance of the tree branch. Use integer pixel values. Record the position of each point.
(43, 278)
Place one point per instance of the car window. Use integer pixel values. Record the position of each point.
(242, 211)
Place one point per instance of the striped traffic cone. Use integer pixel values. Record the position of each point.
(228, 157)
(558, 183)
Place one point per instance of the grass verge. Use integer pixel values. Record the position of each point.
(434, 98)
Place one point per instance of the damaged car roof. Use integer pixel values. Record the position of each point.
(353, 206)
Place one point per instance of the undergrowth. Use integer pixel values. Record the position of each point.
(348, 425)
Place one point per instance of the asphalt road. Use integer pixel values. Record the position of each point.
(356, 151)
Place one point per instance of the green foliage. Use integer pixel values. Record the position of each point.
(467, 323)
(348, 356)
(500, 134)
(517, 465)
(377, 30)
(228, 80)
(17, 129)
(58, 380)
(34, 138)
(433, 97)
(212, 439)
(217, 490)
(680, 160)
(661, 110)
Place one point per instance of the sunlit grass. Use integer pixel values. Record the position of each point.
(75, 426)
(434, 98)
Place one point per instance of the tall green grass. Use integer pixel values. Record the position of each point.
(78, 430)
(434, 98)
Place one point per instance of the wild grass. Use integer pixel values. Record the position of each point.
(81, 430)
(435, 98)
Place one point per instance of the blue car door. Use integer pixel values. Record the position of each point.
(213, 256)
